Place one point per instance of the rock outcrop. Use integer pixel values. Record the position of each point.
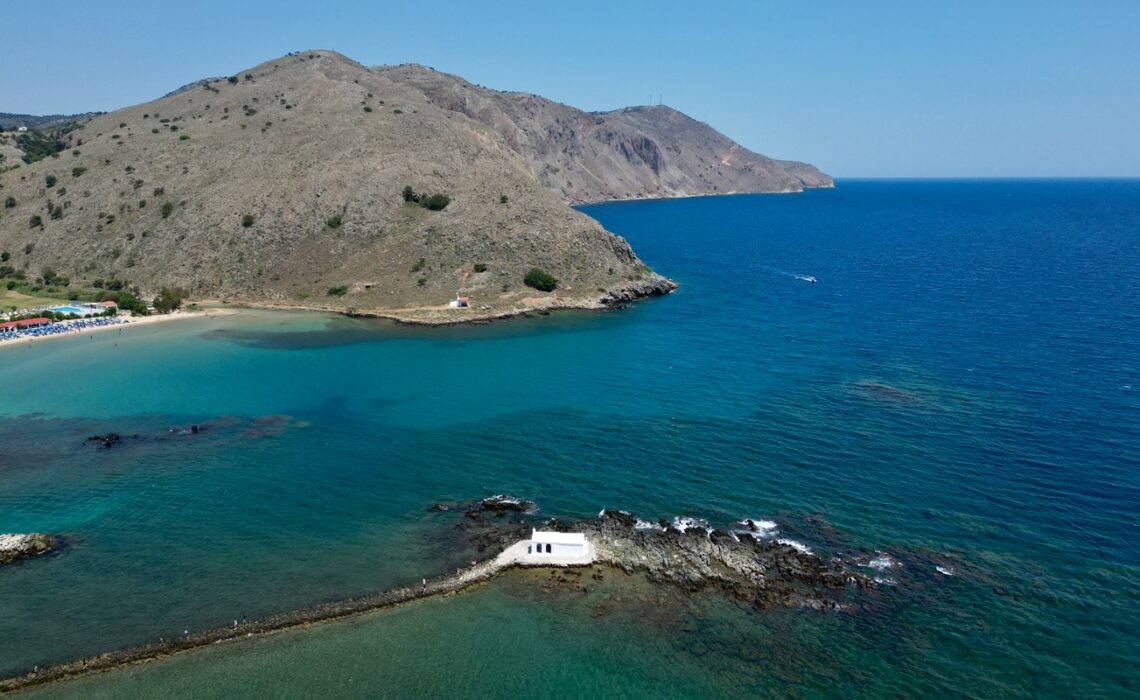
(15, 546)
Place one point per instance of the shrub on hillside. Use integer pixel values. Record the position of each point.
(436, 202)
(247, 220)
(50, 180)
(480, 267)
(540, 279)
(9, 202)
(35, 221)
(76, 172)
(167, 209)
(334, 221)
(338, 291)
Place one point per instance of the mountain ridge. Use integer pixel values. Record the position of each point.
(282, 185)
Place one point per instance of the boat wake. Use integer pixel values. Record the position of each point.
(790, 275)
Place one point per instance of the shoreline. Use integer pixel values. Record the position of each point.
(127, 322)
(444, 316)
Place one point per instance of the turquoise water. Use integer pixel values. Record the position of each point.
(962, 381)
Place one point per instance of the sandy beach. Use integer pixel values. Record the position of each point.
(128, 322)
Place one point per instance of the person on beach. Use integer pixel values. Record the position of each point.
(423, 583)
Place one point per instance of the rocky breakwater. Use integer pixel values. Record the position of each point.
(14, 546)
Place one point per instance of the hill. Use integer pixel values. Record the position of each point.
(285, 184)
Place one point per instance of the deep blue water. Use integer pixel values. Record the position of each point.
(963, 380)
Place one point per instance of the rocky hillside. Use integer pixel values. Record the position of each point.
(284, 184)
(630, 153)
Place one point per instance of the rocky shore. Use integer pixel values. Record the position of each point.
(746, 562)
(15, 546)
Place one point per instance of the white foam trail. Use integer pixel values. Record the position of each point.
(757, 525)
(882, 562)
(798, 546)
(684, 522)
(945, 570)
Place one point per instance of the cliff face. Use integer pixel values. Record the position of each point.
(636, 152)
(284, 182)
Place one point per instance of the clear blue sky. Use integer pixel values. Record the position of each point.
(861, 89)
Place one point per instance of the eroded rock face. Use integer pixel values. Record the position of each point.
(15, 546)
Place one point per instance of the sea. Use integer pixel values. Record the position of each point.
(961, 382)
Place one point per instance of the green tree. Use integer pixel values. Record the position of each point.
(540, 279)
(76, 172)
(169, 299)
(167, 208)
(410, 194)
(9, 202)
(35, 221)
(247, 220)
(334, 221)
(50, 180)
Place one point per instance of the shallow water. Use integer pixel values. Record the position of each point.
(961, 381)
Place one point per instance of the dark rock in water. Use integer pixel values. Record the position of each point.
(108, 440)
(501, 504)
(22, 545)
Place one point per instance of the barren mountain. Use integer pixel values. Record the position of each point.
(630, 153)
(284, 185)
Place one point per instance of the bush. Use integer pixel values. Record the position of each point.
(167, 209)
(338, 291)
(233, 80)
(367, 108)
(76, 172)
(421, 281)
(9, 202)
(410, 194)
(503, 199)
(247, 220)
(184, 137)
(5, 256)
(419, 265)
(480, 267)
(334, 221)
(436, 202)
(540, 279)
(35, 221)
(50, 180)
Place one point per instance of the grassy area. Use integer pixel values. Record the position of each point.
(11, 297)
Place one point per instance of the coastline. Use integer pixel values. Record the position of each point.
(128, 322)
(443, 315)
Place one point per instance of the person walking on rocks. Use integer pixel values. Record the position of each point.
(423, 583)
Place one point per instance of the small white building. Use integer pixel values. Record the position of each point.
(563, 544)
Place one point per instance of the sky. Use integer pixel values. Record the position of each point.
(1003, 88)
